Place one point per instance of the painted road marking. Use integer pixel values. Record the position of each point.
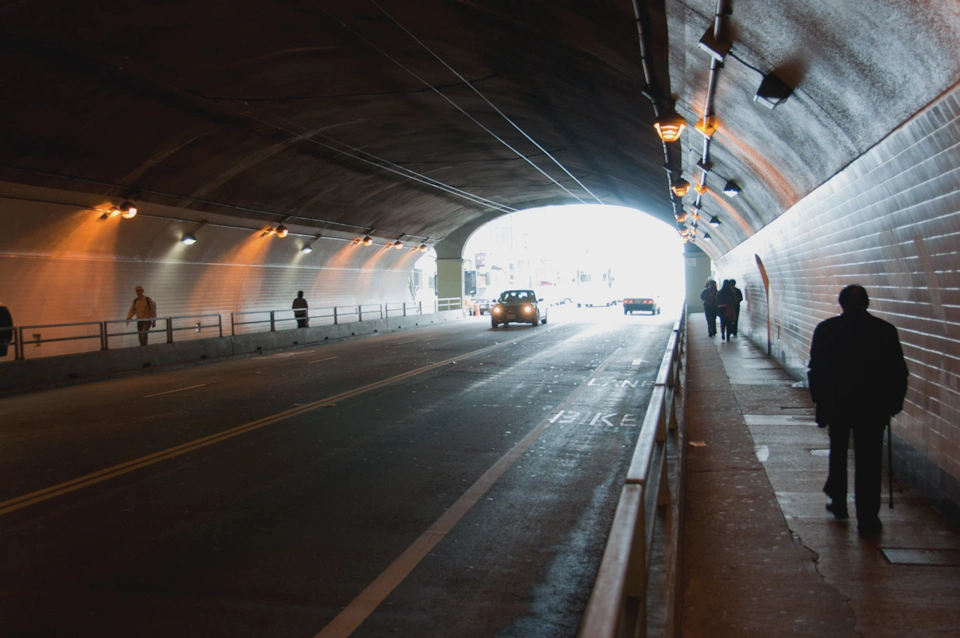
(564, 417)
(353, 615)
(637, 362)
(150, 396)
(319, 360)
(620, 383)
(38, 496)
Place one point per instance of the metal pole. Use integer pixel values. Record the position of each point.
(169, 329)
(18, 353)
(220, 324)
(103, 335)
(359, 313)
(233, 326)
(273, 322)
(334, 315)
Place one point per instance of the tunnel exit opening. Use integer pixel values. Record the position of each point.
(584, 255)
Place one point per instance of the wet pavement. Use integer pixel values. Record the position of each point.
(762, 557)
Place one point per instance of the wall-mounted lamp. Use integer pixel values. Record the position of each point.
(718, 48)
(714, 221)
(670, 126)
(398, 244)
(128, 210)
(681, 217)
(308, 248)
(190, 238)
(707, 237)
(772, 91)
(366, 241)
(422, 248)
(282, 231)
(706, 127)
(701, 188)
(731, 189)
(680, 187)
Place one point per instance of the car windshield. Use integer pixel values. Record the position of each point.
(516, 296)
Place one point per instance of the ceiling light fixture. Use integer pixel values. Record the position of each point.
(398, 244)
(422, 248)
(680, 187)
(731, 189)
(772, 92)
(128, 210)
(366, 241)
(282, 231)
(707, 237)
(308, 248)
(714, 221)
(670, 126)
(190, 238)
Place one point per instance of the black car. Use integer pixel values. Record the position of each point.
(518, 306)
(645, 304)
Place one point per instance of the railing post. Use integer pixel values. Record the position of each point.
(220, 324)
(273, 321)
(233, 326)
(334, 315)
(360, 313)
(662, 419)
(18, 352)
(381, 311)
(404, 308)
(420, 307)
(169, 329)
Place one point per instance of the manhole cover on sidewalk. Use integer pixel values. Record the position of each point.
(931, 557)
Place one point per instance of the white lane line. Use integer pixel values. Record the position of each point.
(353, 615)
(400, 343)
(172, 391)
(319, 360)
(38, 496)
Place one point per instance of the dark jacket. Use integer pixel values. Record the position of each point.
(709, 297)
(857, 371)
(726, 297)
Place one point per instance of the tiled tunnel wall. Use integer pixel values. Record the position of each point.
(61, 264)
(890, 221)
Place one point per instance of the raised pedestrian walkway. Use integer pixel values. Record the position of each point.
(761, 555)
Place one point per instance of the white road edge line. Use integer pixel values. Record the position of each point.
(353, 615)
(319, 360)
(150, 396)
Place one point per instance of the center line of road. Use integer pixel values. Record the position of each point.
(150, 396)
(353, 615)
(319, 360)
(25, 500)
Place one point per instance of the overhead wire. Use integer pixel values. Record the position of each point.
(457, 106)
(489, 103)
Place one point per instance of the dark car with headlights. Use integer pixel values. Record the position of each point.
(642, 304)
(518, 306)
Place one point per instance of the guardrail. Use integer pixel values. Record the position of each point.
(103, 331)
(264, 320)
(617, 605)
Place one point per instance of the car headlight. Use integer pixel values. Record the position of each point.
(528, 309)
(496, 310)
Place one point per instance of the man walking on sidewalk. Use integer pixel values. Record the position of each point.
(858, 380)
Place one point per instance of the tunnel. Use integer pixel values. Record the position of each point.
(327, 146)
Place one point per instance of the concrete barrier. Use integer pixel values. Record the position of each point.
(33, 374)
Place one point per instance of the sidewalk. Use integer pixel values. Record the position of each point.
(761, 555)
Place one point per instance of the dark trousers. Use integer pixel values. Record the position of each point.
(868, 464)
(143, 328)
(736, 321)
(302, 321)
(711, 314)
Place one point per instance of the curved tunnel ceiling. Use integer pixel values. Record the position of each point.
(428, 118)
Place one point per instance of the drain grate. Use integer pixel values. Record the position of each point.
(922, 557)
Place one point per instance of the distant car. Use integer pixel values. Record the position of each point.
(484, 305)
(518, 306)
(644, 304)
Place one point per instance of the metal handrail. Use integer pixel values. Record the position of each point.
(334, 314)
(617, 604)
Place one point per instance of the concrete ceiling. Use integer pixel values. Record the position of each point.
(430, 117)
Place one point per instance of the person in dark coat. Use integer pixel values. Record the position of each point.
(858, 380)
(726, 309)
(709, 298)
(300, 310)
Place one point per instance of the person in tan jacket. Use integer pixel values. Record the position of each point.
(144, 308)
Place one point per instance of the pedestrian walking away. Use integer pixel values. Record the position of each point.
(145, 310)
(726, 309)
(300, 310)
(858, 381)
(709, 298)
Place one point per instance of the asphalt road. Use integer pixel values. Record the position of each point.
(445, 481)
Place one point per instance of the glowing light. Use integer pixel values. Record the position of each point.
(680, 187)
(128, 210)
(670, 126)
(282, 231)
(366, 241)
